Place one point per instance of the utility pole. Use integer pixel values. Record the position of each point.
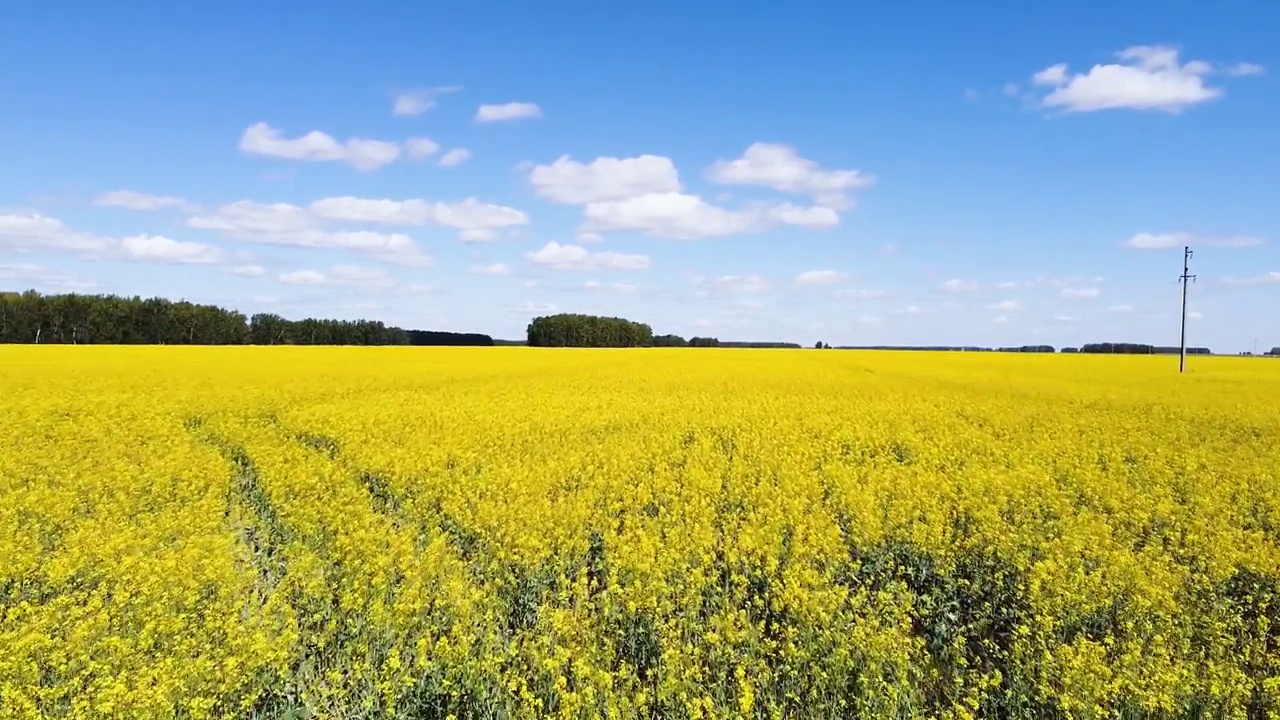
(1184, 279)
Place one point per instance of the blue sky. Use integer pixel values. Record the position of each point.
(907, 173)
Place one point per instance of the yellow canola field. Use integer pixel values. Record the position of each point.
(673, 533)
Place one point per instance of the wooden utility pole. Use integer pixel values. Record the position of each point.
(1184, 279)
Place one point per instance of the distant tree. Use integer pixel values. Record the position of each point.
(576, 330)
(1138, 349)
(1029, 349)
(669, 341)
(423, 337)
(703, 342)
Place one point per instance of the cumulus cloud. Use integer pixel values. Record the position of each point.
(820, 277)
(780, 167)
(364, 155)
(914, 310)
(682, 216)
(1268, 277)
(741, 283)
(155, 248)
(454, 157)
(537, 308)
(142, 202)
(419, 148)
(603, 179)
(37, 232)
(859, 294)
(290, 225)
(1245, 69)
(494, 269)
(39, 276)
(1005, 306)
(475, 220)
(507, 112)
(1146, 77)
(1167, 241)
(615, 287)
(284, 224)
(249, 270)
(574, 257)
(957, 285)
(1080, 293)
(347, 276)
(411, 103)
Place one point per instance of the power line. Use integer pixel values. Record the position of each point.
(1184, 278)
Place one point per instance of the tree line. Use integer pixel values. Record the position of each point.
(72, 318)
(32, 317)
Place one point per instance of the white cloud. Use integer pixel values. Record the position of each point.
(340, 276)
(249, 270)
(303, 277)
(611, 287)
(1080, 293)
(821, 277)
(289, 225)
(1008, 284)
(589, 238)
(741, 283)
(478, 219)
(681, 216)
(1245, 69)
(473, 215)
(604, 179)
(507, 112)
(378, 212)
(1064, 318)
(38, 276)
(537, 308)
(1147, 77)
(781, 168)
(416, 102)
(1005, 306)
(813, 218)
(1269, 277)
(143, 202)
(454, 157)
(155, 248)
(1166, 241)
(248, 217)
(914, 310)
(860, 294)
(573, 257)
(419, 148)
(1195, 315)
(37, 232)
(365, 155)
(495, 269)
(1121, 308)
(957, 285)
(1000, 319)
(284, 224)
